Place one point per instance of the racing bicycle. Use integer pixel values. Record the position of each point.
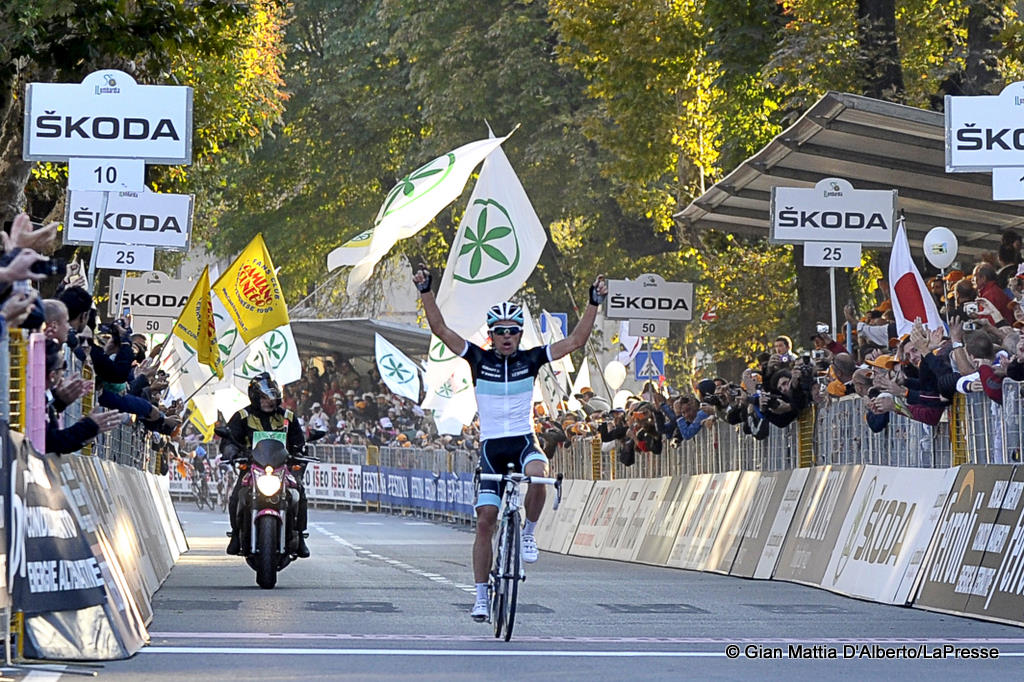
(503, 582)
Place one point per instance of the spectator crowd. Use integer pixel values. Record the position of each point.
(916, 374)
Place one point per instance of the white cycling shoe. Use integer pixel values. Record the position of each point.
(480, 611)
(530, 553)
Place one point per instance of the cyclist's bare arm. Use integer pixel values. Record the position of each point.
(581, 332)
(438, 328)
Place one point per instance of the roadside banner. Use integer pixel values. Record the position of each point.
(886, 532)
(625, 542)
(702, 521)
(334, 482)
(767, 522)
(817, 522)
(977, 540)
(656, 544)
(605, 498)
(749, 497)
(50, 565)
(557, 528)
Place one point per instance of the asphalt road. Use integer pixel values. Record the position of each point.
(387, 598)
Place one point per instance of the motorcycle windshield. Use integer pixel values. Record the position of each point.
(270, 453)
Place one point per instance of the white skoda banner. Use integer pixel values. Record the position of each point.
(832, 211)
(108, 115)
(141, 218)
(886, 532)
(649, 297)
(985, 131)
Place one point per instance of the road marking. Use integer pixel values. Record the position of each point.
(368, 554)
(365, 523)
(1005, 641)
(286, 651)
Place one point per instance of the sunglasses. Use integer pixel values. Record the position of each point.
(505, 331)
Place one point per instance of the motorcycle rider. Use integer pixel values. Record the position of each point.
(265, 414)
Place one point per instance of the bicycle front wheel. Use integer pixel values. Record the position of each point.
(497, 595)
(510, 573)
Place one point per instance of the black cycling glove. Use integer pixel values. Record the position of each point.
(596, 298)
(424, 286)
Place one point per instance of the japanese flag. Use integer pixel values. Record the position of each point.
(910, 297)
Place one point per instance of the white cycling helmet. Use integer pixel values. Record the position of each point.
(506, 310)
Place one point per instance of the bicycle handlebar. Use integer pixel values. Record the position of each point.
(521, 478)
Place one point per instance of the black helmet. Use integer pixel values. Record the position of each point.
(263, 386)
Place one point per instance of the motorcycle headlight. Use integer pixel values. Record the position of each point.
(268, 484)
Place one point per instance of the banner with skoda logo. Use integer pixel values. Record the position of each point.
(832, 211)
(881, 546)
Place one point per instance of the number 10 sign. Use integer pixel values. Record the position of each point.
(831, 255)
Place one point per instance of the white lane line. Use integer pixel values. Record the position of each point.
(285, 651)
(447, 637)
(43, 676)
(365, 553)
(367, 523)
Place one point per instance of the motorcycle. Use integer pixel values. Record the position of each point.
(268, 506)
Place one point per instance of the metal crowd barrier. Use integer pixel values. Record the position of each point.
(974, 429)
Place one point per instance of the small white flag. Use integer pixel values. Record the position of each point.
(397, 371)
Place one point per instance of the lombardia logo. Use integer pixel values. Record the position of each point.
(416, 185)
(253, 286)
(491, 250)
(394, 369)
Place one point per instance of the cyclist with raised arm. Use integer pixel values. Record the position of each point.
(503, 380)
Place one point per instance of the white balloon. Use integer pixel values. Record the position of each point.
(940, 247)
(614, 374)
(619, 401)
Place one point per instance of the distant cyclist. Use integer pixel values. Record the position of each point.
(503, 378)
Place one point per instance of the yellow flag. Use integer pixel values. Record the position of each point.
(195, 326)
(196, 418)
(250, 291)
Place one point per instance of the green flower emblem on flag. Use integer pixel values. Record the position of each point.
(440, 352)
(492, 250)
(394, 369)
(416, 184)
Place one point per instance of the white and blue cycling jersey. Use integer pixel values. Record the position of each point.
(504, 388)
(504, 398)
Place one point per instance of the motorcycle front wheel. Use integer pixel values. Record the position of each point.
(266, 546)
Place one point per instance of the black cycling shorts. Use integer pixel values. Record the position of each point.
(495, 456)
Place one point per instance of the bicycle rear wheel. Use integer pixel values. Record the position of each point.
(510, 576)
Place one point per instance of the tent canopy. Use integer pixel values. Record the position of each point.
(353, 337)
(874, 145)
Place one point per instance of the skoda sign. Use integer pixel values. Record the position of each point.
(985, 131)
(832, 211)
(108, 115)
(649, 297)
(142, 218)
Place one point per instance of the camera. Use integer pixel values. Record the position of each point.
(806, 359)
(971, 308)
(970, 326)
(874, 392)
(823, 382)
(818, 354)
(55, 267)
(821, 328)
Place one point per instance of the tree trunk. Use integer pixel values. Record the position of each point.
(984, 22)
(813, 292)
(880, 66)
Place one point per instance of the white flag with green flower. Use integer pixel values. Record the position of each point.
(398, 372)
(416, 199)
(498, 244)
